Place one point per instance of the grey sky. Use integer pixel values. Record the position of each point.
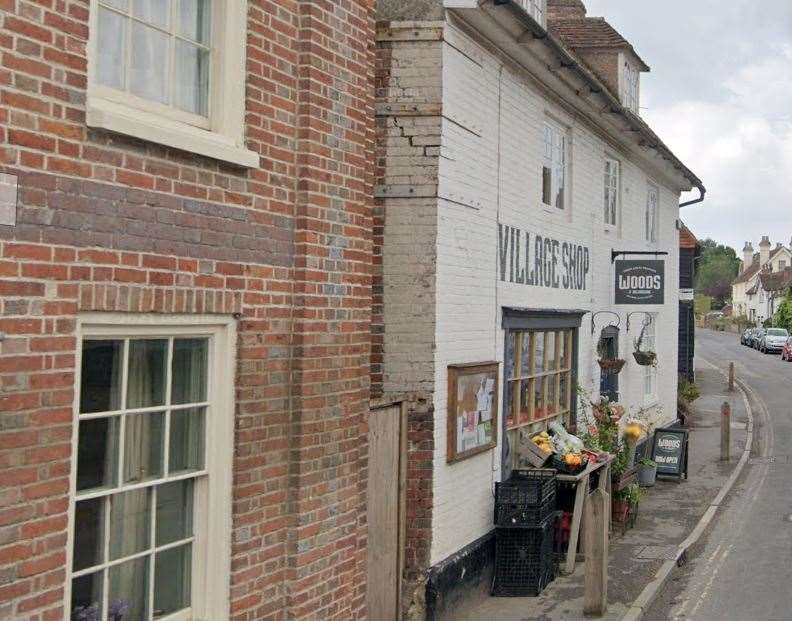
(720, 95)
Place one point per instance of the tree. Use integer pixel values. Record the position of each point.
(783, 316)
(718, 266)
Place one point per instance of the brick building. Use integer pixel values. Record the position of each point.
(515, 179)
(185, 256)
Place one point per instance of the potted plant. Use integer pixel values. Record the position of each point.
(647, 472)
(625, 503)
(608, 364)
(644, 357)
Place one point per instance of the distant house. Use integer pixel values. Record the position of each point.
(746, 298)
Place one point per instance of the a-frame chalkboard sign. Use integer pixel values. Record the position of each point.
(670, 452)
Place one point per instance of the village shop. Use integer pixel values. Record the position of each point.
(545, 257)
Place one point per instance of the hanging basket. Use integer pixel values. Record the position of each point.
(611, 366)
(645, 358)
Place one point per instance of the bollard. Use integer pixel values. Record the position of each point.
(725, 431)
(731, 377)
(596, 511)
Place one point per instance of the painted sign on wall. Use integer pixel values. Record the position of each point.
(640, 282)
(525, 258)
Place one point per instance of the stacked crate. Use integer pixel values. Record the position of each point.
(524, 536)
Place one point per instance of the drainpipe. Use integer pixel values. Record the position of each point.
(702, 192)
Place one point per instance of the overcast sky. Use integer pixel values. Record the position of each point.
(720, 95)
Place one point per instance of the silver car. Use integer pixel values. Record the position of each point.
(774, 340)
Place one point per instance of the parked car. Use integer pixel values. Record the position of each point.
(773, 340)
(756, 337)
(745, 336)
(786, 353)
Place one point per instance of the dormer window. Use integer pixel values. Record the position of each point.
(536, 9)
(630, 77)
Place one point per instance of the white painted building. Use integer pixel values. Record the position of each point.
(750, 298)
(506, 231)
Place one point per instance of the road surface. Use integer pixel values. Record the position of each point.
(742, 570)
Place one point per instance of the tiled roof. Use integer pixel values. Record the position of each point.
(586, 33)
(776, 281)
(686, 238)
(748, 274)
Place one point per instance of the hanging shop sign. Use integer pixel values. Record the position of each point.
(525, 258)
(640, 282)
(670, 452)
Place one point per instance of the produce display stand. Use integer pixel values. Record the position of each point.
(581, 481)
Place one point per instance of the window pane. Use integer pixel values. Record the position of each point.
(128, 590)
(563, 348)
(525, 400)
(189, 370)
(510, 353)
(149, 66)
(88, 533)
(146, 381)
(129, 523)
(187, 439)
(111, 46)
(155, 12)
(194, 19)
(97, 453)
(547, 182)
(538, 352)
(86, 598)
(563, 397)
(174, 511)
(551, 395)
(172, 580)
(100, 376)
(525, 354)
(538, 389)
(191, 92)
(144, 446)
(551, 351)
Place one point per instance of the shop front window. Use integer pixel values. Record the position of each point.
(539, 376)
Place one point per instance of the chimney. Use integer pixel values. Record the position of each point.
(565, 9)
(748, 253)
(764, 251)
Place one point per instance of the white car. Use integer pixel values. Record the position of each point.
(774, 340)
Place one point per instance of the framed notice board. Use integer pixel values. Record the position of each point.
(472, 409)
(670, 452)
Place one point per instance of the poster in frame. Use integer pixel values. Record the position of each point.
(472, 409)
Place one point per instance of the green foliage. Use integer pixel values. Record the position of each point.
(783, 316)
(767, 323)
(702, 304)
(688, 390)
(645, 461)
(632, 494)
(717, 268)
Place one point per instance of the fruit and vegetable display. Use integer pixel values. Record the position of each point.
(543, 441)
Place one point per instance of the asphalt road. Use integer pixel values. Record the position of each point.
(742, 570)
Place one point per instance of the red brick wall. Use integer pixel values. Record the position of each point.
(111, 223)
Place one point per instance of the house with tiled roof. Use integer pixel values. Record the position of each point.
(759, 284)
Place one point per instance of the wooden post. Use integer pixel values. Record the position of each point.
(595, 541)
(731, 377)
(725, 431)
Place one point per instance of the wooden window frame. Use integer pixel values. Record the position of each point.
(221, 134)
(211, 540)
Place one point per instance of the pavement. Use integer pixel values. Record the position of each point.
(672, 516)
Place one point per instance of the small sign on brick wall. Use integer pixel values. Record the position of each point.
(8, 199)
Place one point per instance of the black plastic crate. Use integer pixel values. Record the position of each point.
(526, 499)
(524, 560)
(520, 515)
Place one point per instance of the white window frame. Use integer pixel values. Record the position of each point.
(650, 392)
(549, 161)
(220, 136)
(612, 193)
(211, 563)
(630, 95)
(536, 9)
(651, 217)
